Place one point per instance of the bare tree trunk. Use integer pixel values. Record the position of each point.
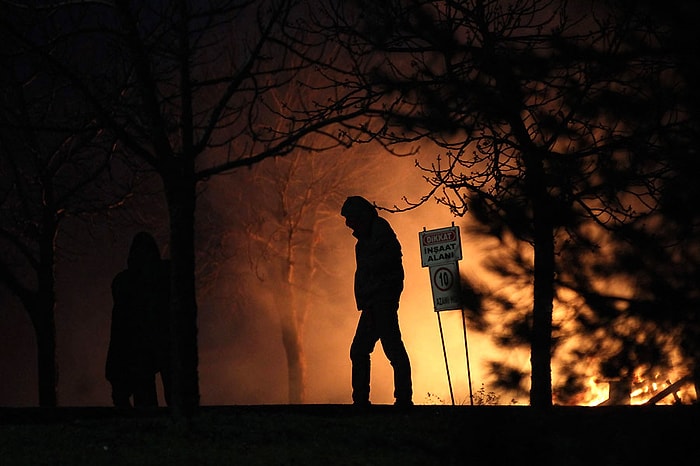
(290, 299)
(543, 243)
(44, 312)
(295, 359)
(541, 344)
(180, 192)
(45, 331)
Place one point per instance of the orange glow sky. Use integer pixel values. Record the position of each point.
(330, 325)
(241, 353)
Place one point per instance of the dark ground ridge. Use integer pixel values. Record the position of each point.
(19, 415)
(344, 435)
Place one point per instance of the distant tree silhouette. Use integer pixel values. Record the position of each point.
(545, 114)
(54, 163)
(291, 199)
(288, 201)
(183, 88)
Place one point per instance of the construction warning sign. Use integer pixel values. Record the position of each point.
(440, 246)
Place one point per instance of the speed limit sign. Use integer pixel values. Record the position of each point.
(444, 279)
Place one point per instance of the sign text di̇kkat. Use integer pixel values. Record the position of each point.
(440, 246)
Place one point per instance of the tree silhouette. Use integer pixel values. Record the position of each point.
(544, 115)
(54, 164)
(657, 257)
(290, 201)
(182, 86)
(629, 291)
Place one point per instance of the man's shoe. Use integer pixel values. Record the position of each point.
(403, 404)
(361, 405)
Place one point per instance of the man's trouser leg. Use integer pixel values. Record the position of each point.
(360, 350)
(121, 393)
(390, 335)
(145, 393)
(403, 387)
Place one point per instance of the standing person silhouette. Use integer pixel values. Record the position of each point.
(378, 285)
(139, 334)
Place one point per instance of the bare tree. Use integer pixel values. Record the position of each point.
(291, 201)
(182, 86)
(53, 165)
(544, 114)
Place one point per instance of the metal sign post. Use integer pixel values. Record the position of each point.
(447, 366)
(466, 352)
(440, 251)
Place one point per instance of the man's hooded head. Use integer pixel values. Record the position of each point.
(355, 206)
(358, 213)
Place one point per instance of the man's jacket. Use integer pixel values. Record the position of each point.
(379, 274)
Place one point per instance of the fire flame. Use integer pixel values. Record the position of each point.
(644, 390)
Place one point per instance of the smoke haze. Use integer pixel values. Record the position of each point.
(242, 360)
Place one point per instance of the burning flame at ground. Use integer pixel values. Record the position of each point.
(672, 389)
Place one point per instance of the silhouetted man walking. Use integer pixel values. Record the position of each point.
(378, 285)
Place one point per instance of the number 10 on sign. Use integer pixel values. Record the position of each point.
(444, 280)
